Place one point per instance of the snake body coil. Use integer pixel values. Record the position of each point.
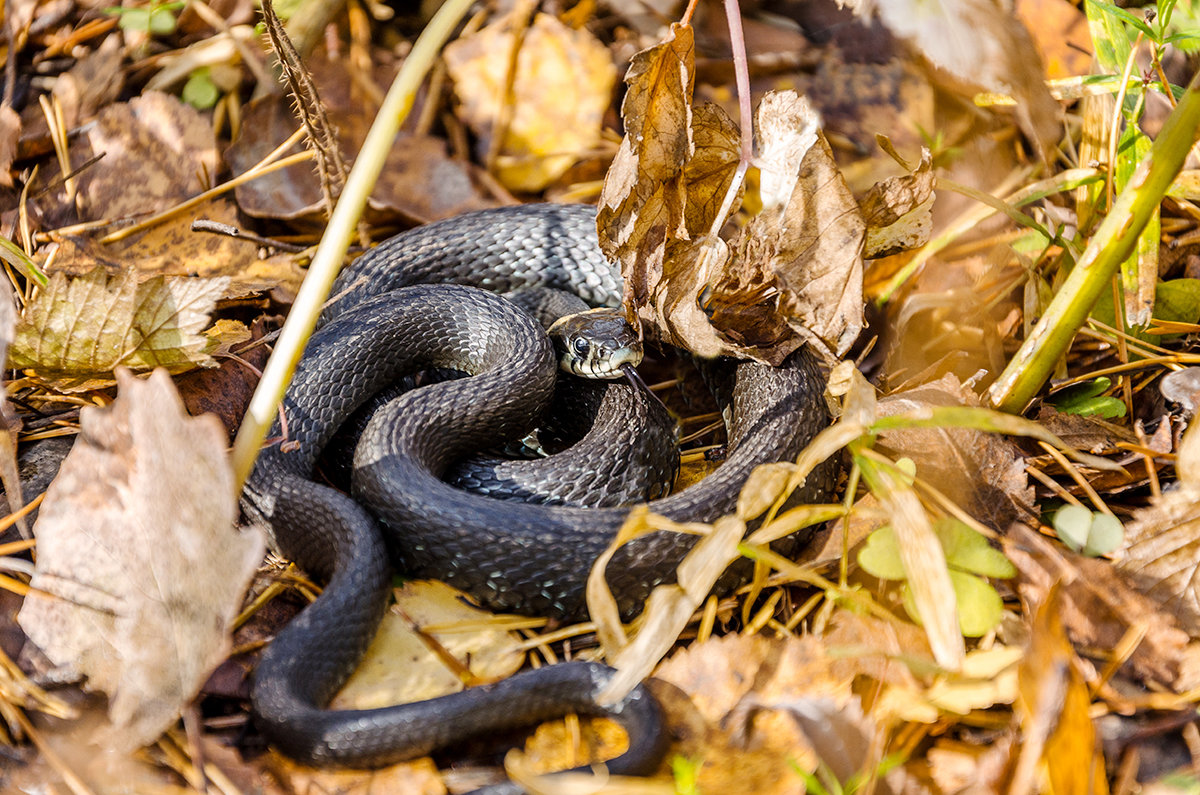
(511, 556)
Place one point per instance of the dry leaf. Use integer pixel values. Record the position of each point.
(166, 143)
(561, 87)
(1060, 30)
(10, 133)
(755, 752)
(1059, 751)
(984, 473)
(418, 777)
(803, 255)
(140, 569)
(172, 248)
(1097, 606)
(1161, 552)
(898, 211)
(980, 43)
(988, 678)
(642, 203)
(794, 273)
(400, 667)
(420, 182)
(78, 330)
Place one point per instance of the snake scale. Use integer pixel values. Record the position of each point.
(387, 321)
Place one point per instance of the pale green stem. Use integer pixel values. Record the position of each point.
(1111, 244)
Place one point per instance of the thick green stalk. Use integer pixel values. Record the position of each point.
(1112, 243)
(327, 260)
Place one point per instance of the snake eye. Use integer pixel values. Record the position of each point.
(580, 346)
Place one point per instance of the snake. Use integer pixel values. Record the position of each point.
(413, 303)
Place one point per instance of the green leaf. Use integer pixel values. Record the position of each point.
(968, 550)
(1178, 300)
(1087, 532)
(1129, 18)
(980, 608)
(134, 19)
(200, 91)
(1110, 41)
(1106, 406)
(1106, 534)
(15, 256)
(162, 21)
(880, 556)
(1073, 523)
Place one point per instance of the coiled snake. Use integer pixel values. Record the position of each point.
(511, 556)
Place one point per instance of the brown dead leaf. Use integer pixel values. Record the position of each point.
(172, 248)
(225, 390)
(984, 473)
(1059, 752)
(795, 272)
(93, 82)
(642, 203)
(76, 332)
(1096, 605)
(166, 143)
(140, 569)
(419, 777)
(420, 182)
(1161, 551)
(10, 133)
(983, 45)
(1060, 31)
(897, 211)
(968, 768)
(719, 675)
(803, 253)
(561, 87)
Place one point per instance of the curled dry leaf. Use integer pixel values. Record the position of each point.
(794, 273)
(561, 86)
(898, 211)
(641, 205)
(78, 330)
(140, 569)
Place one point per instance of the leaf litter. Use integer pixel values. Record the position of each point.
(851, 667)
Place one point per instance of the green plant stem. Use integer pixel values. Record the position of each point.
(1112, 243)
(327, 260)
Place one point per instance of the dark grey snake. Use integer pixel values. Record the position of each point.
(510, 556)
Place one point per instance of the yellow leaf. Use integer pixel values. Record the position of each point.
(78, 330)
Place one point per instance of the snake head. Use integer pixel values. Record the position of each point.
(598, 343)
